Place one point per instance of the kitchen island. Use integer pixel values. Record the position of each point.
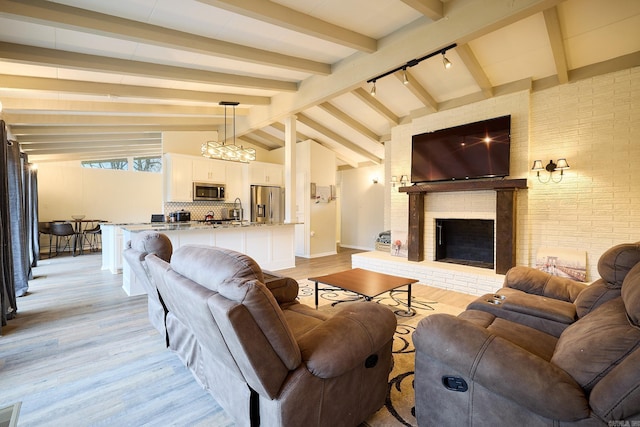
(272, 246)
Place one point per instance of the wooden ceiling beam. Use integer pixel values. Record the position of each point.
(77, 19)
(302, 137)
(19, 130)
(88, 138)
(432, 9)
(249, 140)
(418, 90)
(115, 120)
(376, 105)
(80, 61)
(471, 63)
(268, 137)
(552, 22)
(282, 16)
(308, 121)
(110, 90)
(350, 121)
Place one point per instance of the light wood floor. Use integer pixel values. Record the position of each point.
(81, 352)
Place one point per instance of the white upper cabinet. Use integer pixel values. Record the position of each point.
(235, 183)
(208, 170)
(178, 180)
(266, 174)
(181, 171)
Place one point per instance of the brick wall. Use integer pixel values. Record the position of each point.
(593, 123)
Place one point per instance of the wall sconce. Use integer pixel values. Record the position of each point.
(551, 167)
(404, 180)
(394, 180)
(374, 179)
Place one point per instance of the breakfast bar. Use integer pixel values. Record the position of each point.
(272, 246)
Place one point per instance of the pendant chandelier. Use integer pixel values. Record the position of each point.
(224, 151)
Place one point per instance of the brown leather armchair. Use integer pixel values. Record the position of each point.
(551, 303)
(266, 358)
(479, 369)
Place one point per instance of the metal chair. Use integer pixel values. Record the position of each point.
(92, 236)
(65, 231)
(44, 228)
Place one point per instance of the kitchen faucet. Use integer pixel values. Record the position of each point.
(237, 207)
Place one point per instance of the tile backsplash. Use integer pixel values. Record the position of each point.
(200, 209)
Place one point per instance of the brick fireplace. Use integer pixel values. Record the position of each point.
(505, 216)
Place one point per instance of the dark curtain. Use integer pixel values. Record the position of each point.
(18, 218)
(8, 304)
(18, 225)
(32, 215)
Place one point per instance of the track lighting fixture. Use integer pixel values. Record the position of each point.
(445, 61)
(412, 63)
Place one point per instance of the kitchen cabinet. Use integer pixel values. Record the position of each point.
(208, 170)
(266, 174)
(178, 178)
(235, 180)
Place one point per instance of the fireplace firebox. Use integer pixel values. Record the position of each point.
(465, 241)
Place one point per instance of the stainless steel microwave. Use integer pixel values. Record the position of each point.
(208, 191)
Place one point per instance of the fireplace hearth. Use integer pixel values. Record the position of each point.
(465, 241)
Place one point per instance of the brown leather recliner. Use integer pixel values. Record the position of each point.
(551, 303)
(142, 244)
(479, 369)
(266, 358)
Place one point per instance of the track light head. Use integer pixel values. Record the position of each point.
(405, 78)
(373, 89)
(445, 61)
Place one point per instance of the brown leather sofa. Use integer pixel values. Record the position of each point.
(479, 369)
(266, 358)
(551, 303)
(142, 244)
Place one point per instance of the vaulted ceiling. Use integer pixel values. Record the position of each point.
(97, 79)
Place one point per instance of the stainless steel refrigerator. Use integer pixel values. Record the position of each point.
(267, 204)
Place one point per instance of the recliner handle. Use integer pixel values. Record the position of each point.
(454, 383)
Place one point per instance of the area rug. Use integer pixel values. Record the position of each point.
(399, 408)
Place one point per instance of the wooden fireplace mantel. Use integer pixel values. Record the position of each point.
(505, 215)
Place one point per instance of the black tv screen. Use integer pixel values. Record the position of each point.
(470, 151)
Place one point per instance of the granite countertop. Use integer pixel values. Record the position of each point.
(193, 225)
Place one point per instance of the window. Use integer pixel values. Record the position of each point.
(147, 164)
(140, 164)
(119, 164)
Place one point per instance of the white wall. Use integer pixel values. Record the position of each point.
(66, 189)
(362, 213)
(317, 235)
(190, 143)
(593, 123)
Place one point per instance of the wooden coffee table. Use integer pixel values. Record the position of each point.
(367, 283)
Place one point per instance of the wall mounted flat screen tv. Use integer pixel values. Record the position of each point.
(470, 151)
